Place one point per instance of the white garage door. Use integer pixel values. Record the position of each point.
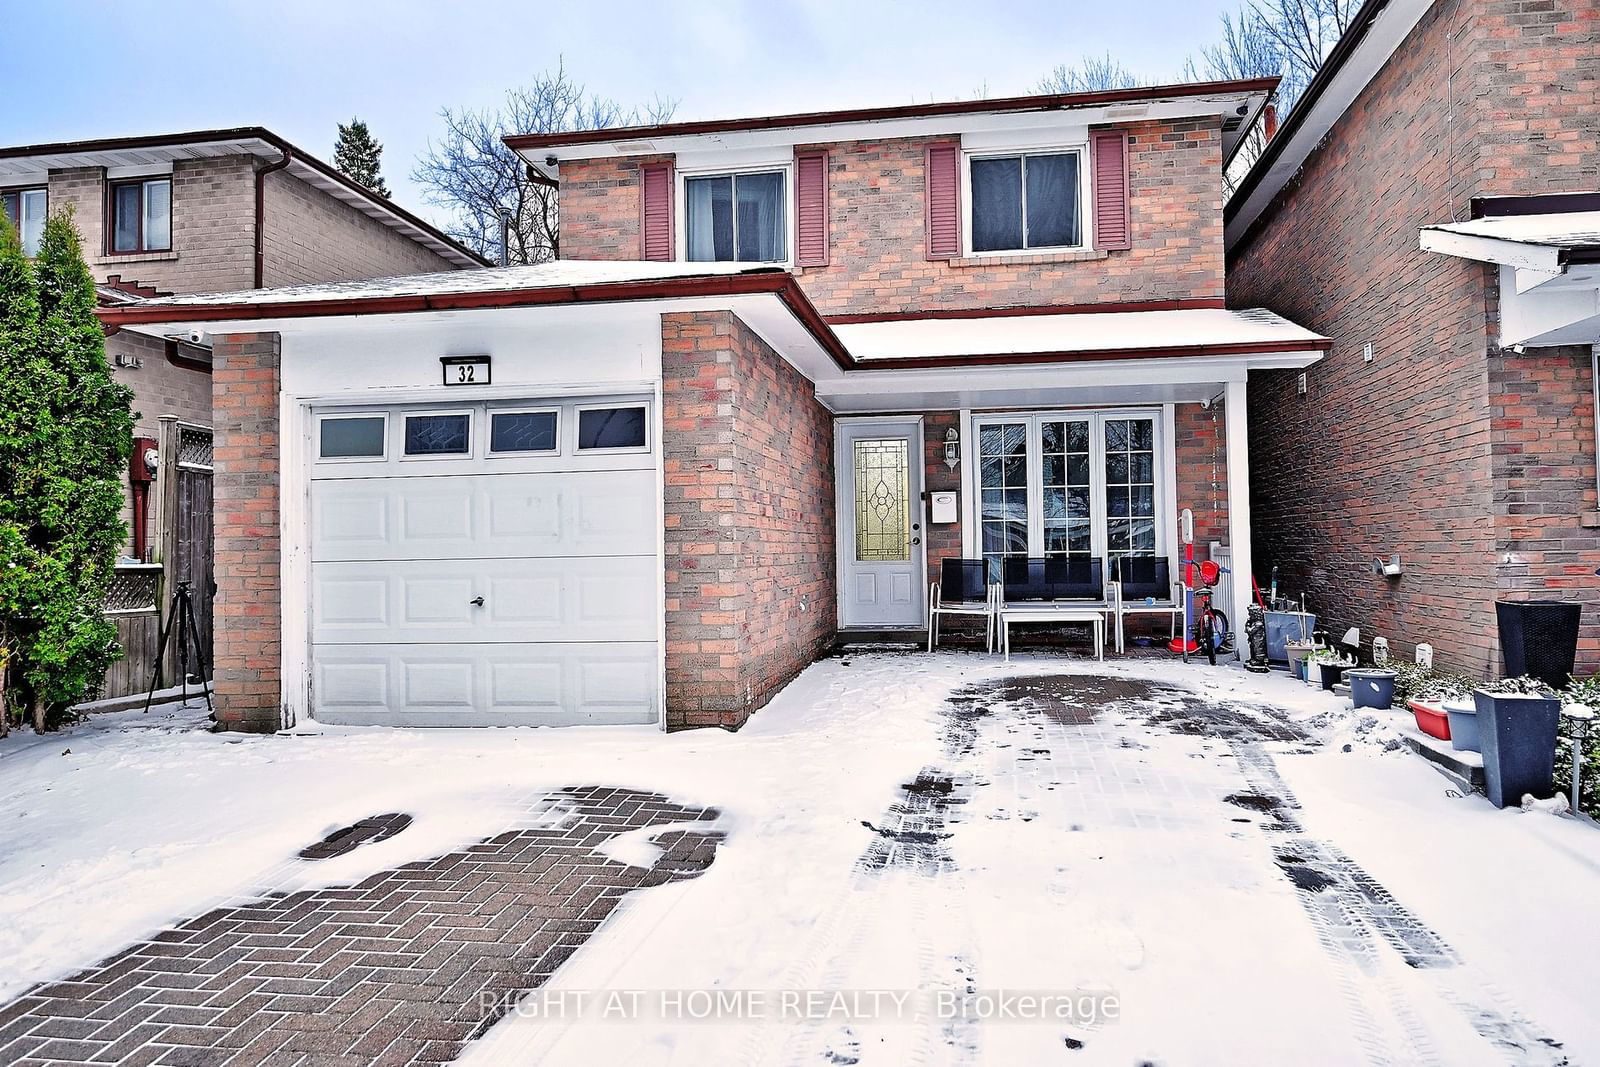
(489, 564)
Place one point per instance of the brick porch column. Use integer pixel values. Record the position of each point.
(246, 642)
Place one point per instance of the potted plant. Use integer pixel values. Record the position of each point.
(1426, 695)
(1326, 668)
(1517, 720)
(1371, 687)
(1296, 652)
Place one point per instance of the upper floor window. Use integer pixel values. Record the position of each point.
(736, 218)
(1029, 201)
(141, 215)
(26, 210)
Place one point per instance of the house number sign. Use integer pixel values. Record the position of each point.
(465, 370)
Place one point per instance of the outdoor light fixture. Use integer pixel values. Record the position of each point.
(952, 448)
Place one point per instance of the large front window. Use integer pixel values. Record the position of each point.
(1080, 484)
(1023, 202)
(25, 208)
(737, 218)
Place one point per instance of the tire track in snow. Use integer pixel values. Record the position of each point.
(1353, 913)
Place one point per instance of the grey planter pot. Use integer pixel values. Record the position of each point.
(1518, 738)
(1371, 687)
(1463, 716)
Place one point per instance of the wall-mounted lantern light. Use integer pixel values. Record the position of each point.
(952, 448)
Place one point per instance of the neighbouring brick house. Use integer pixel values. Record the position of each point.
(199, 212)
(1412, 209)
(654, 480)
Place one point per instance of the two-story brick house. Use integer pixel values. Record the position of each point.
(651, 482)
(198, 212)
(1431, 205)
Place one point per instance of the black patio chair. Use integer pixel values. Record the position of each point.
(963, 588)
(1143, 585)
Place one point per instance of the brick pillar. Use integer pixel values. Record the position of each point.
(246, 644)
(748, 454)
(705, 594)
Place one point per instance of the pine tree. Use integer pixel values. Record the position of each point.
(360, 156)
(65, 432)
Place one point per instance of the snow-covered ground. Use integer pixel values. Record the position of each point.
(1117, 860)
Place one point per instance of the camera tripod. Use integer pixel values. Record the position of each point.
(180, 617)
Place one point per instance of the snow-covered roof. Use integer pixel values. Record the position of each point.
(559, 274)
(1077, 333)
(1566, 229)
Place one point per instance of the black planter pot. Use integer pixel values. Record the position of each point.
(1518, 737)
(1539, 638)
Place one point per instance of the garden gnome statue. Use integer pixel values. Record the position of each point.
(1255, 632)
(1380, 651)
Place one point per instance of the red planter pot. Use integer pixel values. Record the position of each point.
(1431, 718)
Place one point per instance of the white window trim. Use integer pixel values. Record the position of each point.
(1164, 481)
(577, 420)
(489, 450)
(1085, 223)
(438, 457)
(323, 416)
(681, 207)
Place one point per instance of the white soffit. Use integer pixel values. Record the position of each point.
(1032, 125)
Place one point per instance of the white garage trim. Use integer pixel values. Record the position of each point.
(581, 595)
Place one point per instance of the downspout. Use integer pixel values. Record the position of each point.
(261, 213)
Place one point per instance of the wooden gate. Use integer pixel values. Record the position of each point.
(183, 528)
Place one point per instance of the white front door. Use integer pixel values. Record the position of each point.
(881, 569)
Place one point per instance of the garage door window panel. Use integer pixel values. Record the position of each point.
(523, 432)
(613, 429)
(352, 437)
(442, 434)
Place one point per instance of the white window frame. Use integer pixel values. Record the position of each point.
(24, 193)
(577, 421)
(323, 416)
(489, 451)
(681, 208)
(438, 457)
(1165, 461)
(1085, 199)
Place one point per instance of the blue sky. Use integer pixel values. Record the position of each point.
(301, 66)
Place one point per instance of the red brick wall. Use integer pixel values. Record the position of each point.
(1424, 451)
(1546, 526)
(1200, 459)
(877, 250)
(247, 643)
(943, 540)
(599, 205)
(750, 569)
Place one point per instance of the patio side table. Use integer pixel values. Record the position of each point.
(1038, 613)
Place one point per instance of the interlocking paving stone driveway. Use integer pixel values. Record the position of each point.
(405, 967)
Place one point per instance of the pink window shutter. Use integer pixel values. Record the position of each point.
(655, 212)
(811, 209)
(1113, 226)
(943, 166)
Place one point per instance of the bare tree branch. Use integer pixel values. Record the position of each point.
(470, 171)
(1091, 74)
